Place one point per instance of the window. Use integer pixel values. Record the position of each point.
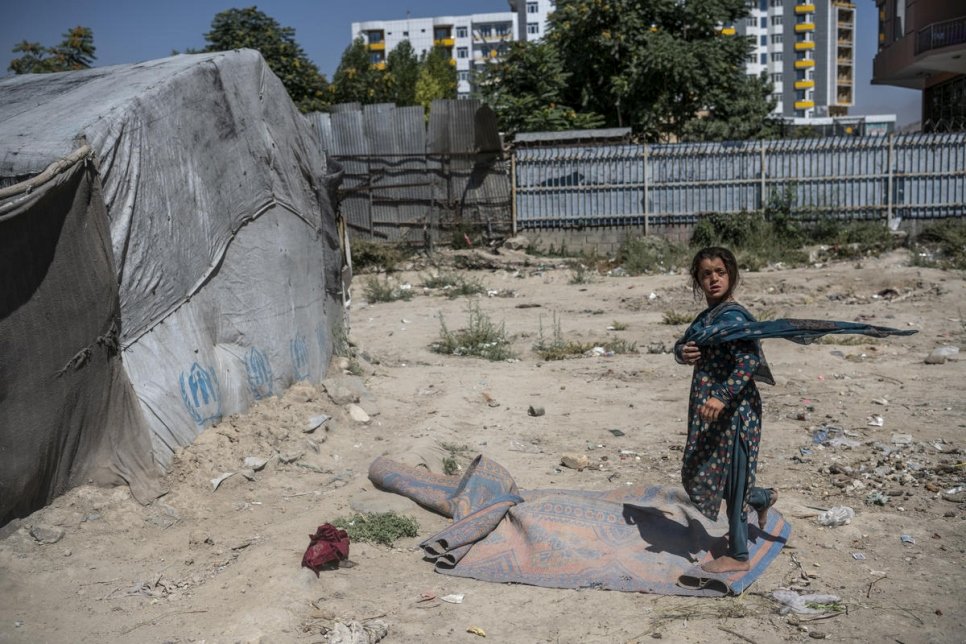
(776, 20)
(776, 78)
(461, 32)
(441, 32)
(776, 3)
(764, 59)
(533, 7)
(763, 40)
(405, 34)
(776, 57)
(777, 39)
(751, 59)
(763, 22)
(462, 52)
(374, 37)
(463, 75)
(503, 30)
(486, 31)
(533, 27)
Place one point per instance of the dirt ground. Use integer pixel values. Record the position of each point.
(224, 565)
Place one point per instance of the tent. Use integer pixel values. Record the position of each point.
(168, 255)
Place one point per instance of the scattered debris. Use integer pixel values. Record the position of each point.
(215, 482)
(315, 422)
(476, 630)
(329, 545)
(907, 539)
(255, 463)
(456, 598)
(837, 516)
(876, 421)
(811, 604)
(534, 410)
(367, 631)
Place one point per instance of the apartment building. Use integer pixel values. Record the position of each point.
(807, 49)
(922, 45)
(470, 40)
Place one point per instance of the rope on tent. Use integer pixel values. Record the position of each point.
(51, 171)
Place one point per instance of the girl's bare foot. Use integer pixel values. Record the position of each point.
(725, 564)
(763, 513)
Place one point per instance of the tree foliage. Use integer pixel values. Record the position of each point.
(402, 72)
(437, 77)
(526, 88)
(659, 66)
(356, 79)
(253, 29)
(76, 51)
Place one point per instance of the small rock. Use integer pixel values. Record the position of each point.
(575, 461)
(289, 457)
(940, 355)
(535, 410)
(315, 422)
(45, 535)
(218, 480)
(520, 242)
(357, 413)
(341, 363)
(255, 462)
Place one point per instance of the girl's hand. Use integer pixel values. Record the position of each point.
(691, 353)
(710, 410)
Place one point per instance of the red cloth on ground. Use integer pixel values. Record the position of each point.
(329, 545)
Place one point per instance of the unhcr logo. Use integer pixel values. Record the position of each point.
(259, 374)
(199, 391)
(300, 357)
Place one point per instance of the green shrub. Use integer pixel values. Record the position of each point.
(640, 255)
(673, 317)
(377, 290)
(369, 256)
(384, 527)
(941, 245)
(481, 338)
(454, 284)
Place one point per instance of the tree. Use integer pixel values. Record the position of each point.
(526, 90)
(251, 28)
(357, 79)
(437, 77)
(659, 65)
(76, 51)
(402, 72)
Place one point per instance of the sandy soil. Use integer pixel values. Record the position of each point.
(223, 566)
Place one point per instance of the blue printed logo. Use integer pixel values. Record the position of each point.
(200, 394)
(259, 374)
(300, 357)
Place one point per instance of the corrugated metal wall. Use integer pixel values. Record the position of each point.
(920, 176)
(403, 183)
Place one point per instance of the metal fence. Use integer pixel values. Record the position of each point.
(920, 176)
(409, 181)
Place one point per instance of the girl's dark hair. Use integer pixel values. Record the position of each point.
(726, 257)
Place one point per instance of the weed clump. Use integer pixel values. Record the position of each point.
(481, 338)
(383, 527)
(557, 347)
(369, 256)
(377, 290)
(941, 245)
(672, 317)
(651, 255)
(454, 285)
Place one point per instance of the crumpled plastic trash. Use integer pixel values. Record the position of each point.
(792, 602)
(839, 515)
(369, 631)
(329, 545)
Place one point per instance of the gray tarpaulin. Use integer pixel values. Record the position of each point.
(191, 261)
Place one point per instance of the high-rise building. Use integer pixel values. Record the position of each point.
(471, 40)
(922, 45)
(806, 47)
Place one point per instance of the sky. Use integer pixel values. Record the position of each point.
(130, 31)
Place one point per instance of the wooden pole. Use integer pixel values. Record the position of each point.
(513, 192)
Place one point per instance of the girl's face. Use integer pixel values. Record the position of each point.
(713, 279)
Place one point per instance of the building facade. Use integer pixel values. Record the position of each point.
(922, 45)
(807, 49)
(470, 40)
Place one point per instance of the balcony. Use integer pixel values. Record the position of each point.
(804, 8)
(377, 46)
(804, 84)
(941, 34)
(804, 45)
(805, 63)
(444, 42)
(804, 105)
(844, 61)
(728, 31)
(380, 65)
(804, 27)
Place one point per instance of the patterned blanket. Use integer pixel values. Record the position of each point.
(643, 538)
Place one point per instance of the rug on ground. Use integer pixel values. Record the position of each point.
(635, 538)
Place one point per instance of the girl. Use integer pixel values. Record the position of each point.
(724, 414)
